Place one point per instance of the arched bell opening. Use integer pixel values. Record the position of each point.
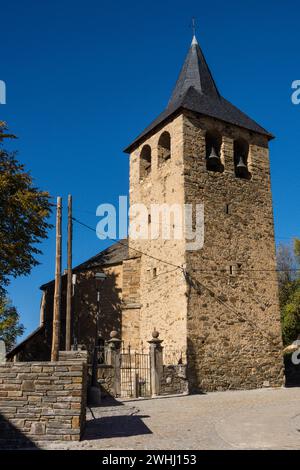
(213, 142)
(145, 161)
(164, 148)
(241, 152)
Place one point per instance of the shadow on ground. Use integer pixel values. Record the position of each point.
(114, 418)
(108, 400)
(115, 426)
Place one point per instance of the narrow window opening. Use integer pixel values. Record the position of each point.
(227, 209)
(154, 272)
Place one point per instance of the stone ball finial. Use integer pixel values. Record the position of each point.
(113, 334)
(155, 334)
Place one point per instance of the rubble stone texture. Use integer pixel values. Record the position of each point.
(226, 316)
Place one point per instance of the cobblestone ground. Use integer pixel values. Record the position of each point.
(256, 419)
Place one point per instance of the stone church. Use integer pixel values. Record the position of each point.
(221, 309)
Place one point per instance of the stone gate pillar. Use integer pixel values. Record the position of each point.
(114, 360)
(156, 362)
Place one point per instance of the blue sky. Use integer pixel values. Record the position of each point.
(84, 78)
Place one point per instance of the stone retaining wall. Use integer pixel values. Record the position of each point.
(79, 355)
(41, 401)
(173, 380)
(106, 379)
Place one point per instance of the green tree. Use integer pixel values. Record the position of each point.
(286, 272)
(288, 263)
(297, 250)
(291, 316)
(10, 326)
(24, 211)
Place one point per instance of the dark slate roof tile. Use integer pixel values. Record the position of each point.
(196, 91)
(114, 254)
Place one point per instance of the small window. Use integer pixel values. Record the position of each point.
(154, 272)
(241, 151)
(213, 142)
(164, 148)
(227, 209)
(145, 161)
(235, 269)
(149, 218)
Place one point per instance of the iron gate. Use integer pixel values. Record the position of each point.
(135, 374)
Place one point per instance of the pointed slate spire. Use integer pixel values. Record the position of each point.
(196, 91)
(194, 73)
(194, 41)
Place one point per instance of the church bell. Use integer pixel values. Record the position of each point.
(241, 168)
(213, 159)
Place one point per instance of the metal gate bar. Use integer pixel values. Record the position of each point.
(135, 374)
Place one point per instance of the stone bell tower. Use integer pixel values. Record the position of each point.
(221, 309)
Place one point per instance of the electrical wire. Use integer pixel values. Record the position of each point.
(192, 282)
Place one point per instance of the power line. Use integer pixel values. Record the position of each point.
(248, 270)
(213, 271)
(193, 284)
(218, 299)
(134, 249)
(176, 225)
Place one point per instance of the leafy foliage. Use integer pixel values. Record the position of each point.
(24, 210)
(288, 262)
(291, 316)
(10, 327)
(297, 250)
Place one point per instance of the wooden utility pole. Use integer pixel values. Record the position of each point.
(69, 277)
(57, 289)
(42, 309)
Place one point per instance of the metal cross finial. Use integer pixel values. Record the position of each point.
(194, 41)
(194, 26)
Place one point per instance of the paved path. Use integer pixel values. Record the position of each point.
(257, 419)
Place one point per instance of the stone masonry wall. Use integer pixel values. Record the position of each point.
(106, 379)
(85, 306)
(38, 348)
(131, 306)
(173, 380)
(41, 401)
(163, 288)
(233, 321)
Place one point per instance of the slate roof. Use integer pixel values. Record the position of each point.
(195, 90)
(20, 346)
(114, 254)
